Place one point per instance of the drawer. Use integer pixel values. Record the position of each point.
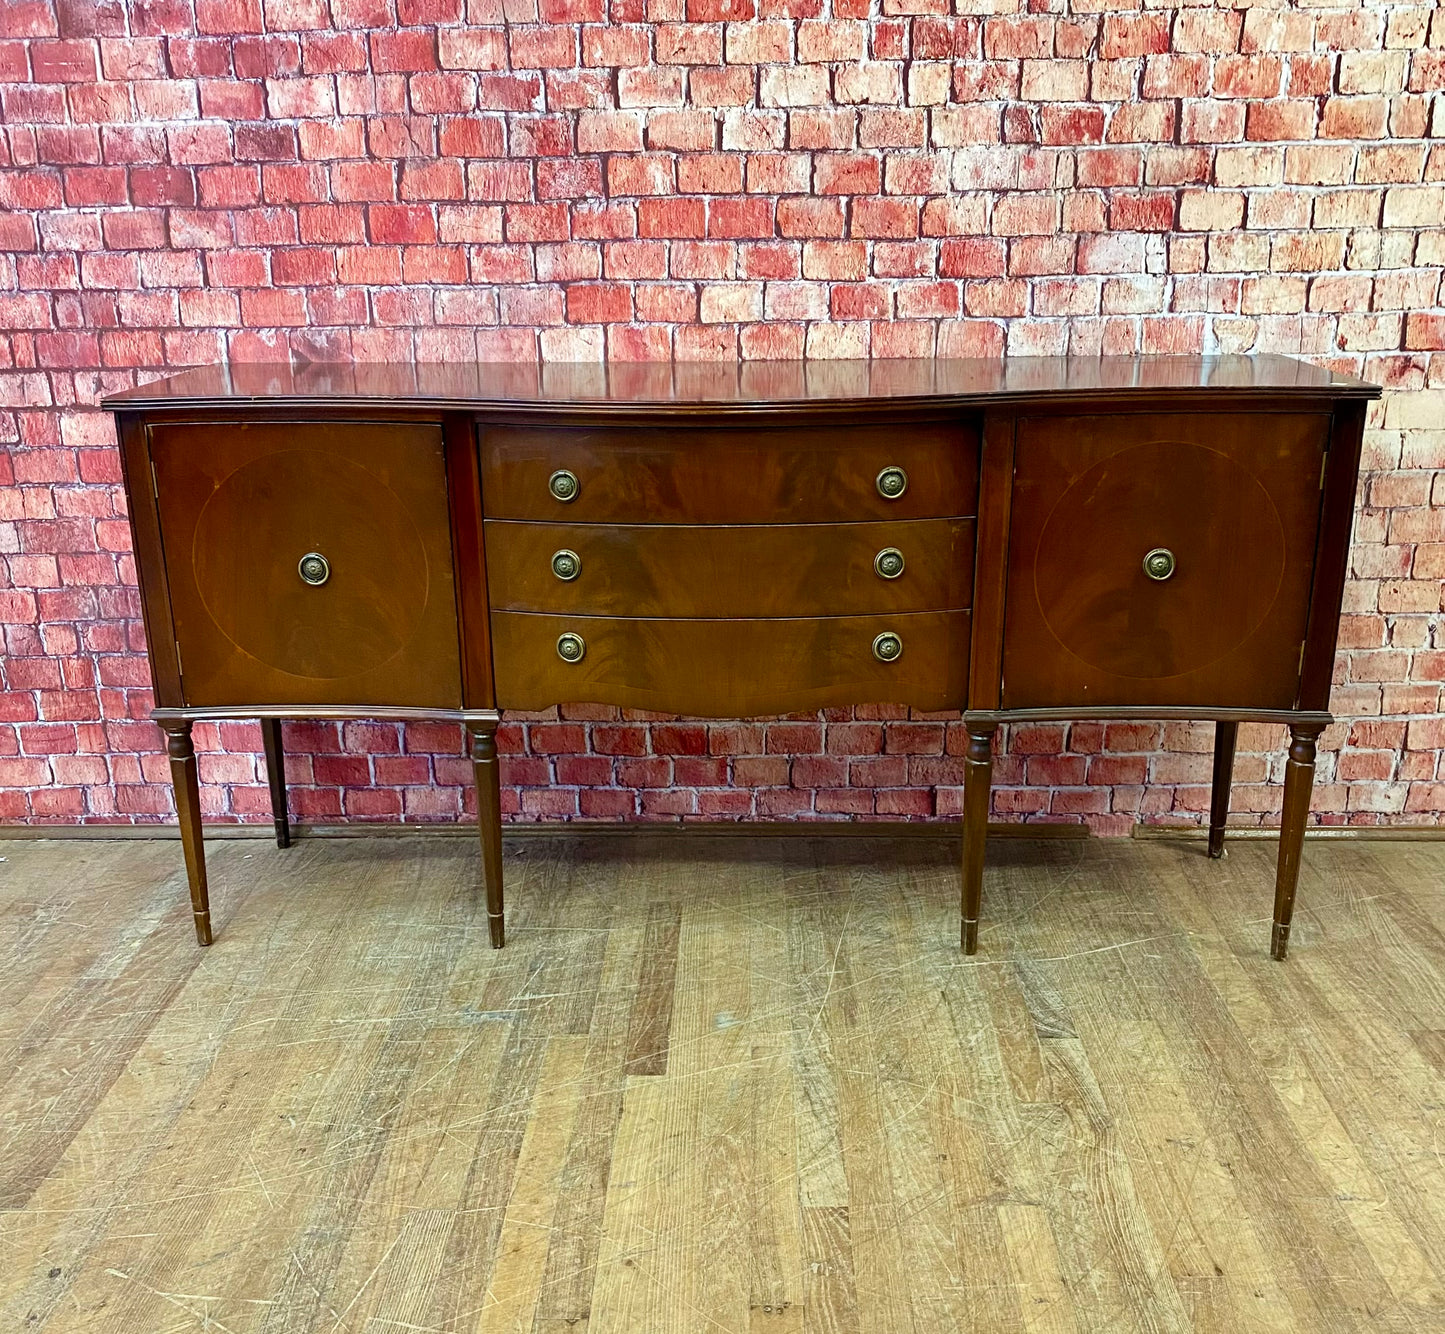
(242, 504)
(1229, 504)
(726, 475)
(826, 569)
(731, 669)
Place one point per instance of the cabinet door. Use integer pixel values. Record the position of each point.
(1229, 504)
(244, 505)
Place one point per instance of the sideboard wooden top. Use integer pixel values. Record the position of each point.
(731, 386)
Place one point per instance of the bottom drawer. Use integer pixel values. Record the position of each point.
(731, 669)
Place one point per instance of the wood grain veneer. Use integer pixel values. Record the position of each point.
(679, 570)
(729, 475)
(734, 668)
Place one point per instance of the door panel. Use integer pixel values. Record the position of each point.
(1229, 503)
(242, 503)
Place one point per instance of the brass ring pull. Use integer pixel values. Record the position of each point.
(888, 563)
(892, 482)
(1159, 564)
(564, 485)
(566, 565)
(314, 569)
(570, 647)
(887, 647)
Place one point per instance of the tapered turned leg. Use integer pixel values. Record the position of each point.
(276, 773)
(1225, 735)
(489, 817)
(188, 809)
(977, 781)
(1299, 777)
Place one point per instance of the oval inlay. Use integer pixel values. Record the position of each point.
(1091, 586)
(247, 539)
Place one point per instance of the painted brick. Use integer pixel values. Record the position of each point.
(800, 218)
(1054, 80)
(828, 42)
(681, 130)
(777, 173)
(758, 43)
(672, 218)
(1354, 118)
(609, 132)
(847, 174)
(1126, 35)
(753, 130)
(793, 87)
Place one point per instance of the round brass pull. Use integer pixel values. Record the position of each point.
(564, 485)
(570, 647)
(566, 565)
(892, 483)
(1159, 564)
(887, 647)
(888, 563)
(314, 569)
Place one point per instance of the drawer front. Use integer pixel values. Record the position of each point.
(1229, 504)
(717, 475)
(731, 669)
(242, 504)
(742, 570)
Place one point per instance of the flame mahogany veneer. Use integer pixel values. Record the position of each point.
(1033, 538)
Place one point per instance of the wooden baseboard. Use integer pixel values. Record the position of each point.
(924, 829)
(1381, 833)
(930, 829)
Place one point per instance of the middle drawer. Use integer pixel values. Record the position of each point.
(752, 570)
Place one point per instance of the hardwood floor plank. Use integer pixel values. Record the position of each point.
(652, 1012)
(572, 1265)
(722, 1086)
(830, 1296)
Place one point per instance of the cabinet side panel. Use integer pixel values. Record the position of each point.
(464, 492)
(1337, 522)
(991, 569)
(150, 562)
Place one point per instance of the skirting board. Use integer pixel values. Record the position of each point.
(558, 829)
(726, 829)
(1402, 833)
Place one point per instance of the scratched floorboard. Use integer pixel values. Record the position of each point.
(719, 1086)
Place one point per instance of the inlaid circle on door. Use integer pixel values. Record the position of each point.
(1208, 511)
(270, 512)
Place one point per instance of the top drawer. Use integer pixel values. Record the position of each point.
(733, 474)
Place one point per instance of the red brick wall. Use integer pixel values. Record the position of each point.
(185, 180)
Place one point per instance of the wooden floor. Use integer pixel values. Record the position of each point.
(720, 1085)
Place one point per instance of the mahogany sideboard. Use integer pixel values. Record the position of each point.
(1026, 539)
